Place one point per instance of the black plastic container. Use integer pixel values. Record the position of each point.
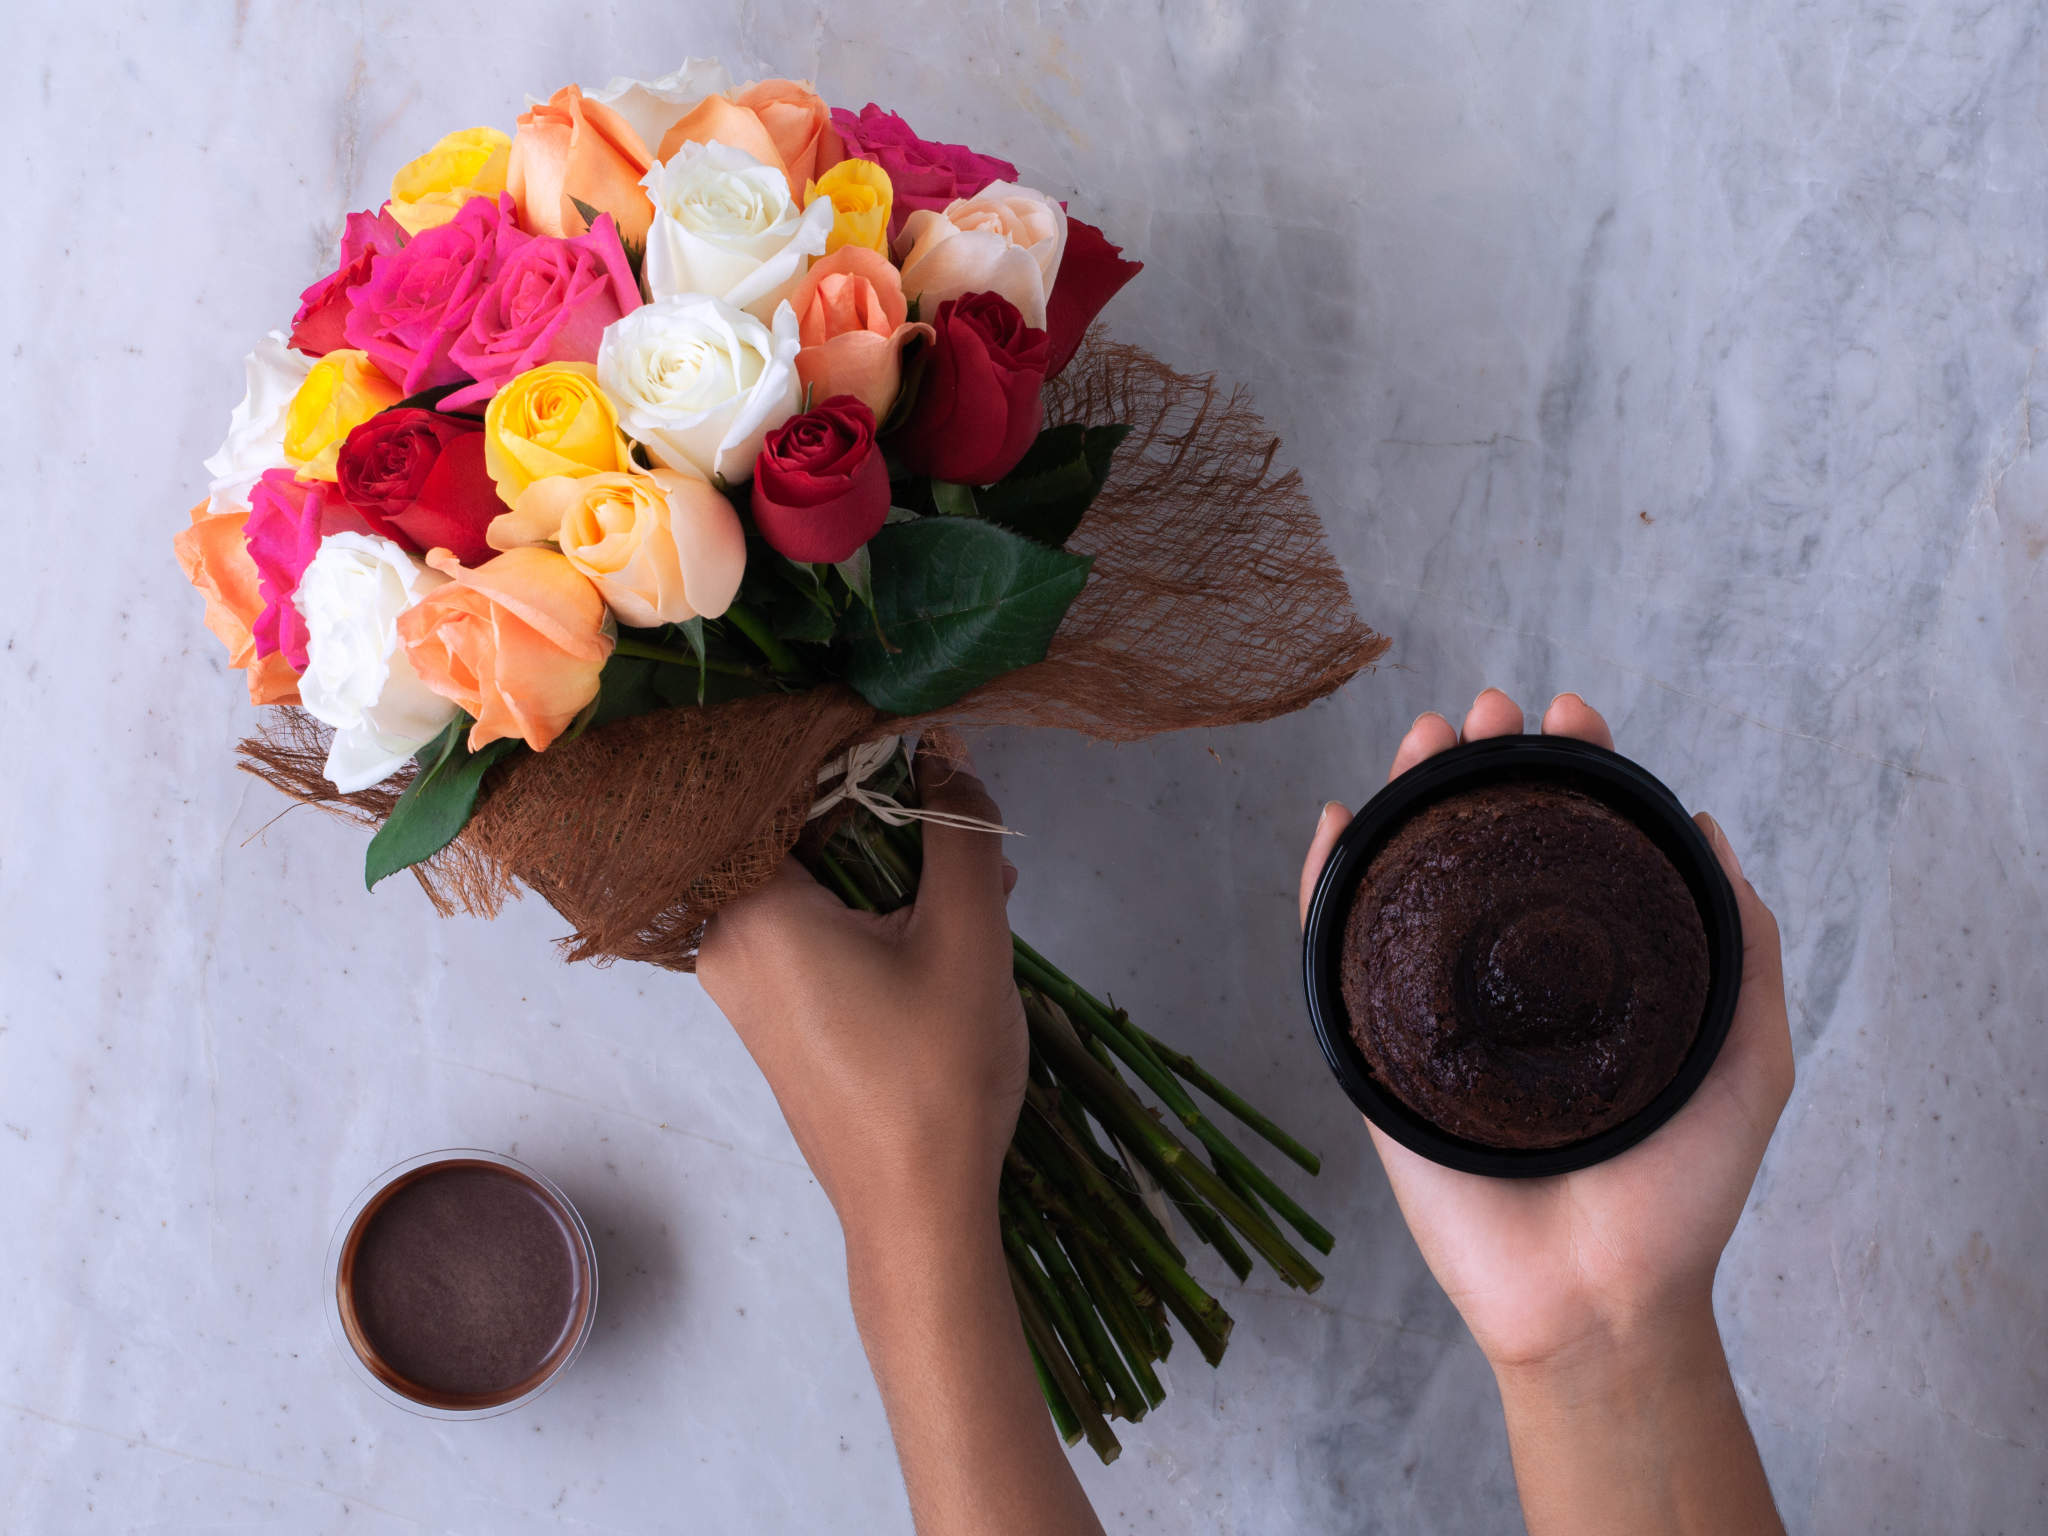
(1608, 777)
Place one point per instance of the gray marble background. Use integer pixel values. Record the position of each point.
(1678, 353)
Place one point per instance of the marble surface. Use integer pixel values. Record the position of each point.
(1680, 354)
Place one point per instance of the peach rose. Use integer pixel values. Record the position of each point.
(1005, 239)
(850, 314)
(572, 148)
(782, 123)
(662, 548)
(518, 642)
(216, 560)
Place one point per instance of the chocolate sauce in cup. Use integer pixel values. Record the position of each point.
(461, 1284)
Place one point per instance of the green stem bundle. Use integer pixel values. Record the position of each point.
(1096, 1272)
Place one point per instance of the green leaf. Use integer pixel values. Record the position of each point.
(436, 805)
(636, 252)
(900, 515)
(958, 601)
(1049, 492)
(430, 399)
(788, 596)
(952, 499)
(857, 570)
(913, 361)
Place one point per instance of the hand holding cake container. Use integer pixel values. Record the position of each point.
(637, 479)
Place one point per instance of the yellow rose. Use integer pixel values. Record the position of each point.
(467, 163)
(661, 548)
(551, 420)
(343, 390)
(861, 195)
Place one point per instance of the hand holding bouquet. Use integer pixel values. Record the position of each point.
(638, 478)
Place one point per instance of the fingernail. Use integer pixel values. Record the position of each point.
(1576, 698)
(1482, 693)
(1427, 714)
(1720, 841)
(1330, 808)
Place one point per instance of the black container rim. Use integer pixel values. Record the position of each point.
(1624, 786)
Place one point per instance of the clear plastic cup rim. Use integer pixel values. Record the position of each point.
(338, 1330)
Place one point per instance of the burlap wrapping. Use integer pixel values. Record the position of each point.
(1213, 601)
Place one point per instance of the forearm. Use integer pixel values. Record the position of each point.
(1641, 1435)
(939, 1322)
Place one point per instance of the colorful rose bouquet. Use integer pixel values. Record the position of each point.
(637, 478)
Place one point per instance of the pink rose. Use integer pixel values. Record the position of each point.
(323, 308)
(420, 297)
(288, 517)
(548, 302)
(923, 174)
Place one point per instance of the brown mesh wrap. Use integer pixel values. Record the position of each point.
(1213, 601)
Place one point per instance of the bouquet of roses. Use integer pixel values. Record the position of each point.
(637, 479)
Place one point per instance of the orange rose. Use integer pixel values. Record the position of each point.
(518, 642)
(572, 148)
(216, 560)
(850, 318)
(782, 123)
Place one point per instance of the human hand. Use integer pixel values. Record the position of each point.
(1574, 1266)
(895, 1044)
(896, 1047)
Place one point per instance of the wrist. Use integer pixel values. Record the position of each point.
(913, 1270)
(1641, 1353)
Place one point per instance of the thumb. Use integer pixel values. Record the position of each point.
(960, 896)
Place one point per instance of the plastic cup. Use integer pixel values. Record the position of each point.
(461, 1284)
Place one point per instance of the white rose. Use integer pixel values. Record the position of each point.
(725, 224)
(655, 106)
(700, 382)
(357, 677)
(1005, 239)
(255, 440)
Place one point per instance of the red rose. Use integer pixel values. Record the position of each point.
(316, 328)
(418, 476)
(821, 489)
(1091, 272)
(977, 406)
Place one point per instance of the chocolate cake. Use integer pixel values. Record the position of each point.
(1523, 967)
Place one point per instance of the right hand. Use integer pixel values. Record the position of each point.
(1546, 1270)
(895, 1044)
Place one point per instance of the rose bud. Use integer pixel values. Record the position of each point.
(1091, 272)
(418, 477)
(978, 404)
(821, 489)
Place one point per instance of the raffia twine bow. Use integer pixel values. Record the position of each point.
(853, 768)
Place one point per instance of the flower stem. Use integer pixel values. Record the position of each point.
(1057, 1305)
(1123, 1038)
(645, 652)
(1038, 1331)
(1123, 1393)
(1194, 1072)
(1063, 1416)
(781, 660)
